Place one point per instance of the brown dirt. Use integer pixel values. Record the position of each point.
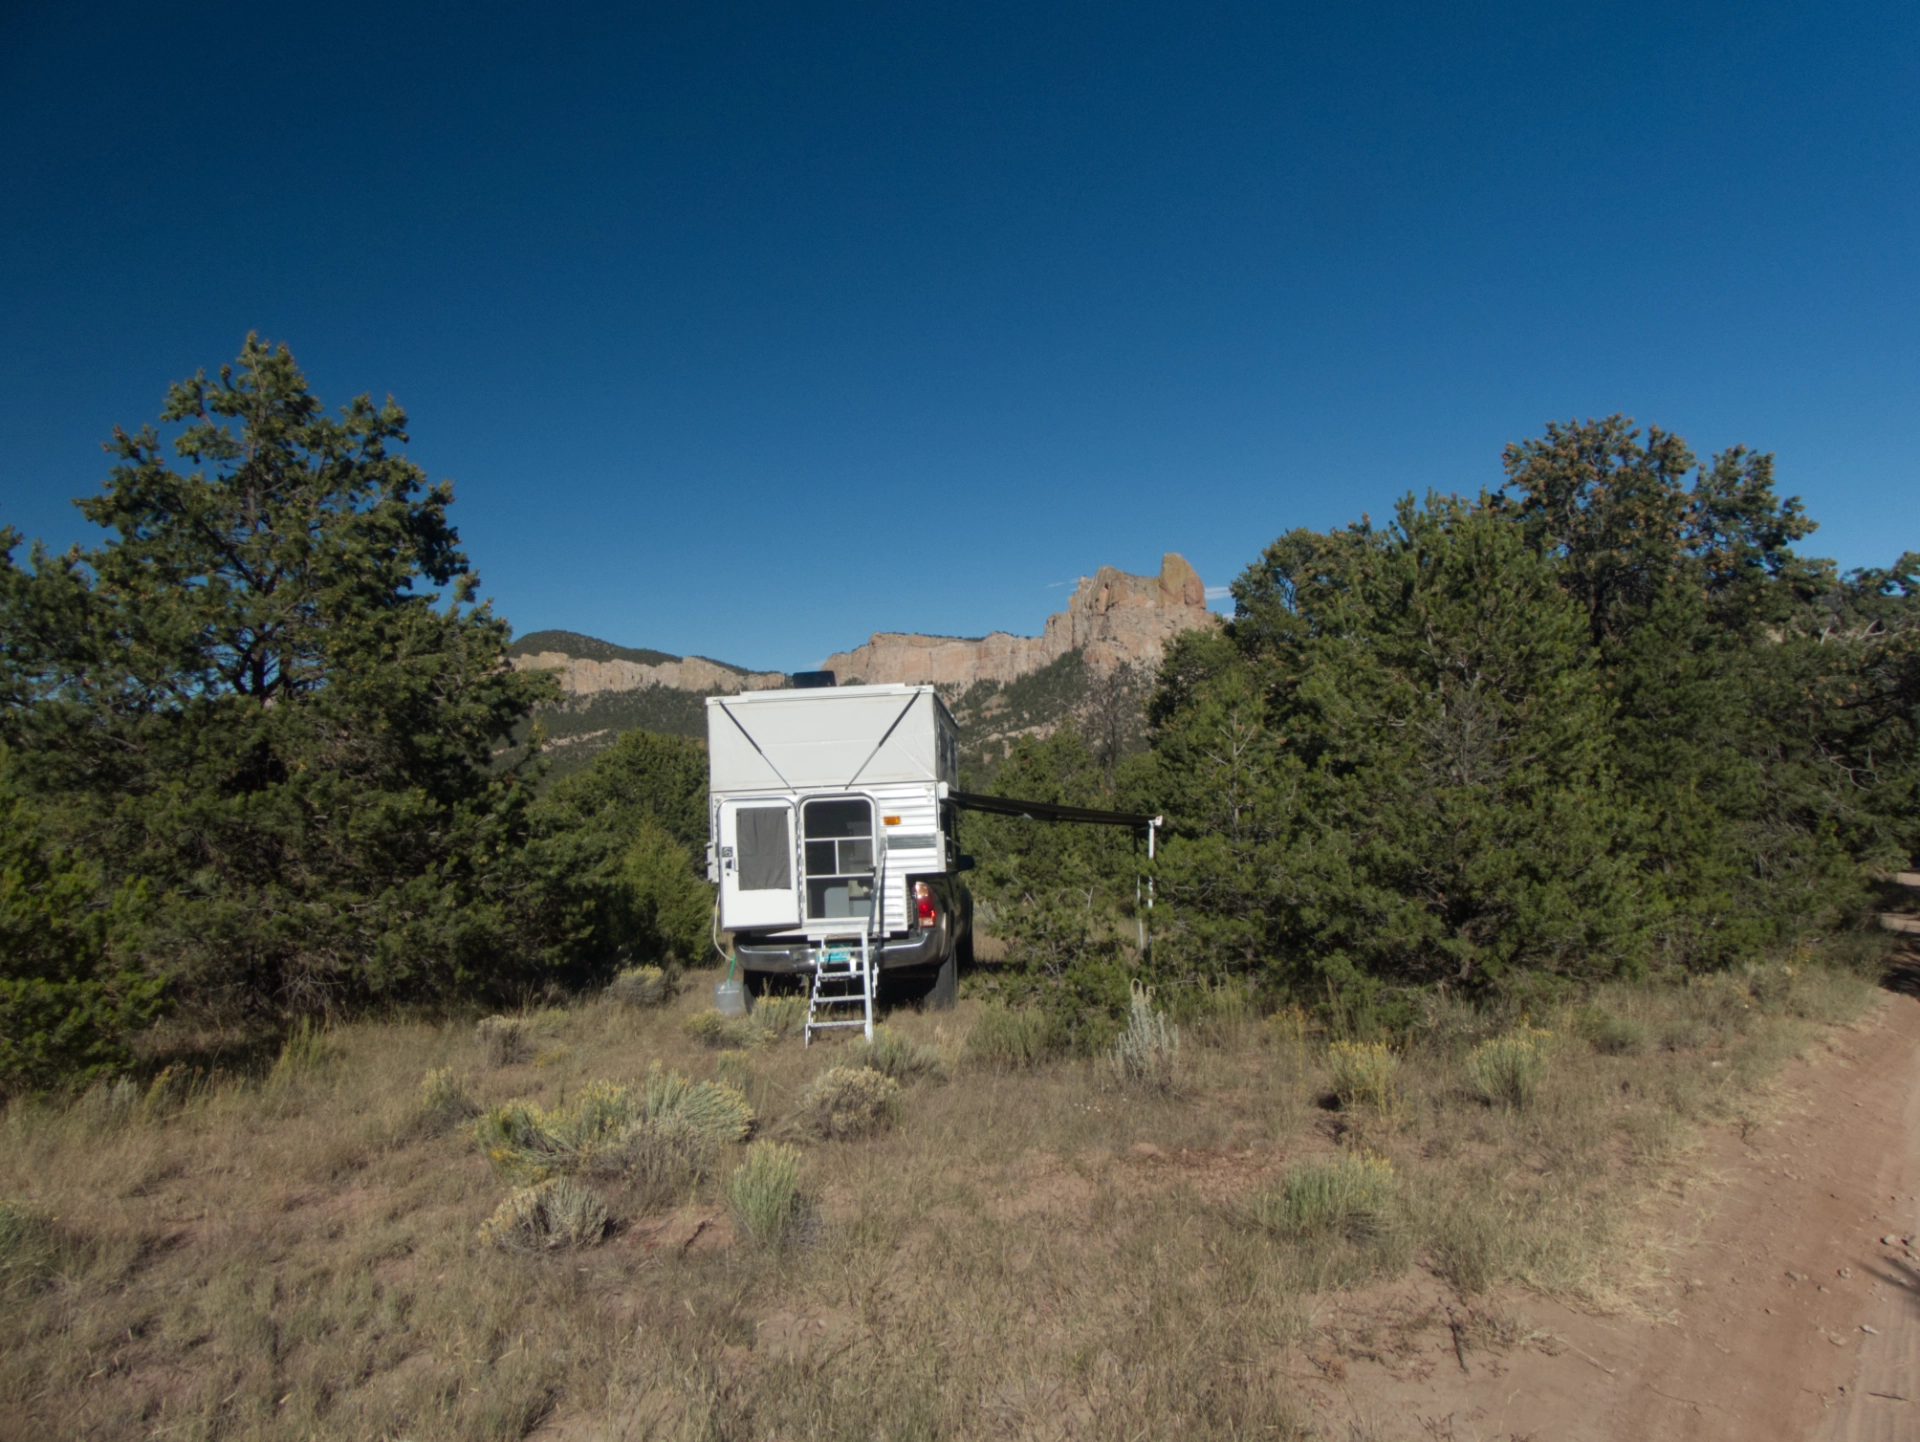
(1793, 1311)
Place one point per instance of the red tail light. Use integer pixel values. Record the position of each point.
(923, 903)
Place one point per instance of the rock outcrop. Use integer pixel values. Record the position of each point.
(580, 676)
(1113, 618)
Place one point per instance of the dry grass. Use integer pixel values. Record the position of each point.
(503, 1040)
(1032, 1250)
(898, 1057)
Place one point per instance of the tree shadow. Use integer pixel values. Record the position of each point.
(1900, 1274)
(1903, 972)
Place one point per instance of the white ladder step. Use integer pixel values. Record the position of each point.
(843, 980)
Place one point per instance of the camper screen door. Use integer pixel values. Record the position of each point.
(756, 866)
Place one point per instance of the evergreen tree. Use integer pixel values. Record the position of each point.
(71, 989)
(619, 846)
(1405, 775)
(1701, 610)
(251, 701)
(1061, 896)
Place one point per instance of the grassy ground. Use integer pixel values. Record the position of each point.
(1045, 1251)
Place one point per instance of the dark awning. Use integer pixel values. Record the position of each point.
(1048, 811)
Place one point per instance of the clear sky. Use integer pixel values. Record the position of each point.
(746, 330)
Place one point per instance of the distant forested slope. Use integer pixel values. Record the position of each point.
(591, 648)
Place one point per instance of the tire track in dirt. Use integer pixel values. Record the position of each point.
(1881, 1402)
(1776, 1349)
(1786, 1317)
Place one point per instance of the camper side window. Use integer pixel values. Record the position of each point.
(839, 858)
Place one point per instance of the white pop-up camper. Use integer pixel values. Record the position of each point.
(833, 841)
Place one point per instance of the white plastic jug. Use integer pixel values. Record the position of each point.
(730, 998)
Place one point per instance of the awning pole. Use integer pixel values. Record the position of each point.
(1153, 828)
(1139, 916)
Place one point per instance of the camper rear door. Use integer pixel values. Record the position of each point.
(758, 889)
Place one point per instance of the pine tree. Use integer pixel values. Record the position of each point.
(252, 700)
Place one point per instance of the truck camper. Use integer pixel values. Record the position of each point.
(833, 841)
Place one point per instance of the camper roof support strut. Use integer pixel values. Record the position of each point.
(883, 740)
(756, 745)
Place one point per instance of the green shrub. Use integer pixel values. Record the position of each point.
(1009, 1038)
(710, 1028)
(668, 1124)
(774, 1017)
(709, 1109)
(1364, 1073)
(503, 1040)
(665, 907)
(850, 1101)
(1342, 1219)
(72, 987)
(735, 1069)
(764, 1192)
(1507, 1070)
(1611, 1034)
(1684, 1033)
(548, 1216)
(1772, 984)
(1147, 1053)
(640, 986)
(1351, 1196)
(891, 1054)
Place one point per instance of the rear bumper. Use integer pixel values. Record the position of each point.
(897, 953)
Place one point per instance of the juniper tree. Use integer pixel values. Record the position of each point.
(1404, 775)
(269, 697)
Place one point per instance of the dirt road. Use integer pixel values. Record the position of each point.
(1794, 1314)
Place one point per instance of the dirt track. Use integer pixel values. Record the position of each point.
(1787, 1317)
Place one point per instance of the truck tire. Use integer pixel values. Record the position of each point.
(945, 990)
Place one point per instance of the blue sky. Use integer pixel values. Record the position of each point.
(746, 330)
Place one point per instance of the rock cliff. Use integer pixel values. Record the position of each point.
(1113, 618)
(584, 676)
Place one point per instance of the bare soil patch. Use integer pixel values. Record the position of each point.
(1791, 1311)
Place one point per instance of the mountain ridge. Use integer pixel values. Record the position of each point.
(1105, 643)
(1114, 619)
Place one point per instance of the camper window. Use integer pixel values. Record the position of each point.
(839, 857)
(765, 864)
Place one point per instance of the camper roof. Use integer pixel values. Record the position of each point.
(818, 693)
(830, 738)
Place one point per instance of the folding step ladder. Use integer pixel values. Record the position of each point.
(846, 973)
(843, 986)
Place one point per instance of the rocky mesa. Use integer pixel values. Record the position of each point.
(588, 667)
(1114, 619)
